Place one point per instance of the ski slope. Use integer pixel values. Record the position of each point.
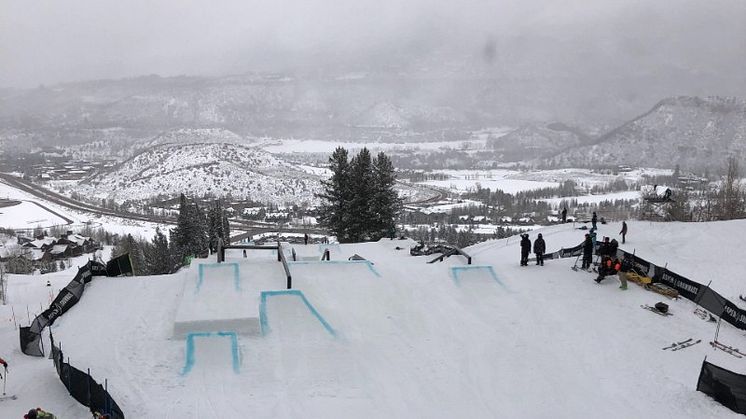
(404, 338)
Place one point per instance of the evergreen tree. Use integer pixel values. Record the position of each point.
(158, 257)
(361, 220)
(201, 240)
(334, 213)
(190, 237)
(385, 202)
(226, 229)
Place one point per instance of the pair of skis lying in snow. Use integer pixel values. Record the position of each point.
(727, 349)
(683, 344)
(676, 346)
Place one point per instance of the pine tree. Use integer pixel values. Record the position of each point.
(226, 229)
(157, 254)
(334, 213)
(385, 202)
(201, 240)
(361, 221)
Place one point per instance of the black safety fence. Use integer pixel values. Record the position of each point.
(726, 387)
(83, 388)
(30, 336)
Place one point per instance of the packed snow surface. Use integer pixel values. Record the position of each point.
(410, 339)
(28, 214)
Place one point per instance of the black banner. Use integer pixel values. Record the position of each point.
(726, 387)
(30, 337)
(686, 287)
(30, 342)
(120, 265)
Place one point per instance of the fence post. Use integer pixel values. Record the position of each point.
(68, 375)
(107, 409)
(88, 381)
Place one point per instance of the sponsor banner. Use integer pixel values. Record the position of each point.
(30, 337)
(686, 287)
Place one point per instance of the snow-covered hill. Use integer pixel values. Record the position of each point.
(410, 339)
(690, 131)
(204, 168)
(532, 141)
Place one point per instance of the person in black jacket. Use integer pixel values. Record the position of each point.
(624, 231)
(525, 249)
(594, 220)
(539, 248)
(564, 215)
(587, 252)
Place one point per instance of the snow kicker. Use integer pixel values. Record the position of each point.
(209, 342)
(458, 272)
(264, 318)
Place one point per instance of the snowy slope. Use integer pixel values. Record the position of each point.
(693, 132)
(204, 168)
(412, 339)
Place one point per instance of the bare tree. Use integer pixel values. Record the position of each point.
(729, 200)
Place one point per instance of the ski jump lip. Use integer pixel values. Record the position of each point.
(264, 319)
(456, 269)
(337, 262)
(190, 360)
(234, 265)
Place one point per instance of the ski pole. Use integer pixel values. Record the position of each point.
(5, 379)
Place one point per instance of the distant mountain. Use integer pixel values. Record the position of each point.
(692, 132)
(217, 169)
(532, 141)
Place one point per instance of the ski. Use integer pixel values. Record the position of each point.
(8, 397)
(727, 349)
(655, 310)
(675, 344)
(686, 345)
(704, 315)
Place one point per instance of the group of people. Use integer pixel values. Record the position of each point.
(540, 247)
(610, 264)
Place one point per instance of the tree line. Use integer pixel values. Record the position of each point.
(197, 234)
(359, 200)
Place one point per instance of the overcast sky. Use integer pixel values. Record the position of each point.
(50, 41)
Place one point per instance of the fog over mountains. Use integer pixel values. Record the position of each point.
(565, 75)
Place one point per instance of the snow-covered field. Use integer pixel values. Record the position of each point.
(27, 214)
(506, 180)
(514, 181)
(79, 218)
(404, 338)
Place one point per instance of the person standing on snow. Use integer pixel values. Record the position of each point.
(564, 215)
(594, 220)
(539, 248)
(624, 231)
(305, 239)
(525, 249)
(5, 368)
(587, 252)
